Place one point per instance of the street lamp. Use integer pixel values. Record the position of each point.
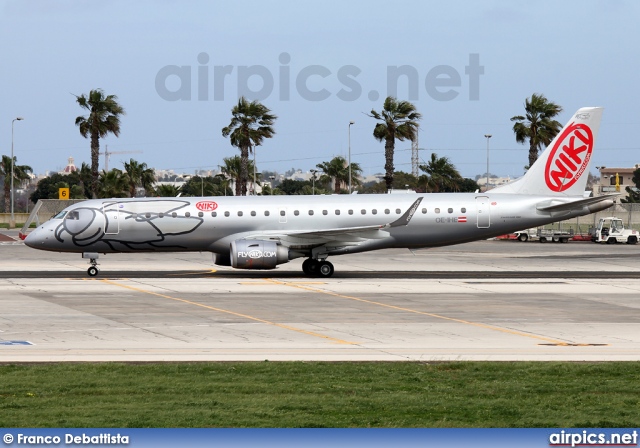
(313, 181)
(350, 123)
(488, 136)
(12, 222)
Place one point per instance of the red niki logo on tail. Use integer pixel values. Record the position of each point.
(206, 206)
(569, 157)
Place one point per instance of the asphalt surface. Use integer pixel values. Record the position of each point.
(488, 300)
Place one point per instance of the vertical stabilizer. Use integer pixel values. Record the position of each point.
(563, 168)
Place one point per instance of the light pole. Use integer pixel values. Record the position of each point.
(313, 182)
(350, 123)
(12, 222)
(488, 136)
(254, 170)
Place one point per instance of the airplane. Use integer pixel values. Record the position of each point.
(261, 232)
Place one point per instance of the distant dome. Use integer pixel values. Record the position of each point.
(71, 167)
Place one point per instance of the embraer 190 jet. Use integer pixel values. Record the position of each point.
(261, 232)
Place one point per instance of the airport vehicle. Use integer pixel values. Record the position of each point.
(544, 235)
(261, 232)
(611, 230)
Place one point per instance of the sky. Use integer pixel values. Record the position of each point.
(179, 67)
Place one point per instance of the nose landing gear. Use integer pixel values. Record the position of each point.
(93, 261)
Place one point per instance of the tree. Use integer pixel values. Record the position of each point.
(19, 175)
(139, 176)
(442, 175)
(103, 119)
(205, 186)
(113, 184)
(232, 169)
(538, 126)
(167, 191)
(337, 170)
(251, 123)
(633, 194)
(398, 121)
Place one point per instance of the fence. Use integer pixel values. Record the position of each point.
(629, 213)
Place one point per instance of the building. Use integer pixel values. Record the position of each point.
(614, 180)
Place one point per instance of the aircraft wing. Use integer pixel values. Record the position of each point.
(559, 206)
(343, 236)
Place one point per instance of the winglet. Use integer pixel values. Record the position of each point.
(404, 219)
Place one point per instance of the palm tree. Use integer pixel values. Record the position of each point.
(337, 169)
(139, 176)
(19, 175)
(113, 184)
(103, 119)
(167, 191)
(232, 168)
(442, 175)
(538, 125)
(398, 121)
(251, 123)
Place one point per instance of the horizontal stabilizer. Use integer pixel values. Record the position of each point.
(557, 206)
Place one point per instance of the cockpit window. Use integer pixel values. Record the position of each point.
(73, 214)
(60, 215)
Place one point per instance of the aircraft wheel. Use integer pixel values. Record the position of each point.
(325, 269)
(310, 266)
(92, 271)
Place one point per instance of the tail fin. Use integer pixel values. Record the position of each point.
(563, 168)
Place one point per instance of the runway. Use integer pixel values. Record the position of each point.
(489, 300)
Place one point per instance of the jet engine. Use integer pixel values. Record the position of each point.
(257, 254)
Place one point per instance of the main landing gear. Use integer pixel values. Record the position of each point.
(317, 268)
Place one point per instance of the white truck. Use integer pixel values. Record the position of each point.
(544, 235)
(611, 230)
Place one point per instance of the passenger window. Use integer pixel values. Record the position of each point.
(374, 211)
(187, 214)
(450, 210)
(282, 213)
(174, 215)
(437, 210)
(424, 211)
(351, 212)
(227, 214)
(387, 211)
(296, 212)
(337, 212)
(324, 212)
(160, 215)
(398, 211)
(363, 211)
(310, 212)
(253, 213)
(239, 213)
(214, 214)
(200, 214)
(266, 213)
(463, 210)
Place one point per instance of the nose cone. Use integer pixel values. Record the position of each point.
(34, 238)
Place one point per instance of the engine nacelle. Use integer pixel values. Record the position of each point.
(257, 254)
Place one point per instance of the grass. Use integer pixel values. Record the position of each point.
(5, 225)
(321, 394)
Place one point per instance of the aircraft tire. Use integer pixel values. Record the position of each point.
(325, 269)
(92, 271)
(310, 266)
